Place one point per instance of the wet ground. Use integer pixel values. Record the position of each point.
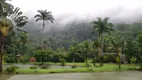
(128, 75)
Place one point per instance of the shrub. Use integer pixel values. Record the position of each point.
(106, 58)
(16, 67)
(62, 61)
(10, 58)
(74, 66)
(32, 59)
(88, 65)
(11, 69)
(35, 63)
(109, 58)
(117, 59)
(133, 60)
(33, 67)
(141, 66)
(44, 66)
(24, 59)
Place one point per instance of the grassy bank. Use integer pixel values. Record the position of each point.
(105, 68)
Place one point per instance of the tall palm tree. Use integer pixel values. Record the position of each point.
(102, 26)
(44, 16)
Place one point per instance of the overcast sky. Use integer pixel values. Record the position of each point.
(115, 9)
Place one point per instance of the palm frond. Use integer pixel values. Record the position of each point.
(38, 16)
(38, 19)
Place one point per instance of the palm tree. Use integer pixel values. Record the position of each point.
(118, 45)
(24, 40)
(86, 51)
(5, 8)
(5, 26)
(44, 16)
(18, 18)
(7, 22)
(102, 26)
(95, 50)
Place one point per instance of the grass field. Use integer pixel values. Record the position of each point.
(105, 68)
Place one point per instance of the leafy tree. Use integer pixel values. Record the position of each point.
(140, 46)
(86, 51)
(131, 49)
(102, 26)
(43, 55)
(72, 51)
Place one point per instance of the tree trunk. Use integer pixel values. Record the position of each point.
(1, 52)
(99, 55)
(42, 60)
(43, 34)
(101, 51)
(119, 51)
(94, 61)
(119, 62)
(86, 61)
(23, 49)
(73, 58)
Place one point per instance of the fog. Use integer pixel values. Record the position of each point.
(66, 11)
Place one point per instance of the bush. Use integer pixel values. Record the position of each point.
(16, 67)
(117, 59)
(62, 61)
(32, 59)
(106, 58)
(88, 65)
(133, 60)
(24, 59)
(74, 66)
(109, 58)
(44, 66)
(11, 69)
(141, 66)
(10, 58)
(33, 67)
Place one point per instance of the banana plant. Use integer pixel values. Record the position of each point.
(5, 27)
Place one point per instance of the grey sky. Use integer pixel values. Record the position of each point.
(115, 9)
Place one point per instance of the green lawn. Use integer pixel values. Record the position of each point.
(105, 68)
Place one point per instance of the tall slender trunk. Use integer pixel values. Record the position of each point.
(1, 52)
(42, 41)
(101, 51)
